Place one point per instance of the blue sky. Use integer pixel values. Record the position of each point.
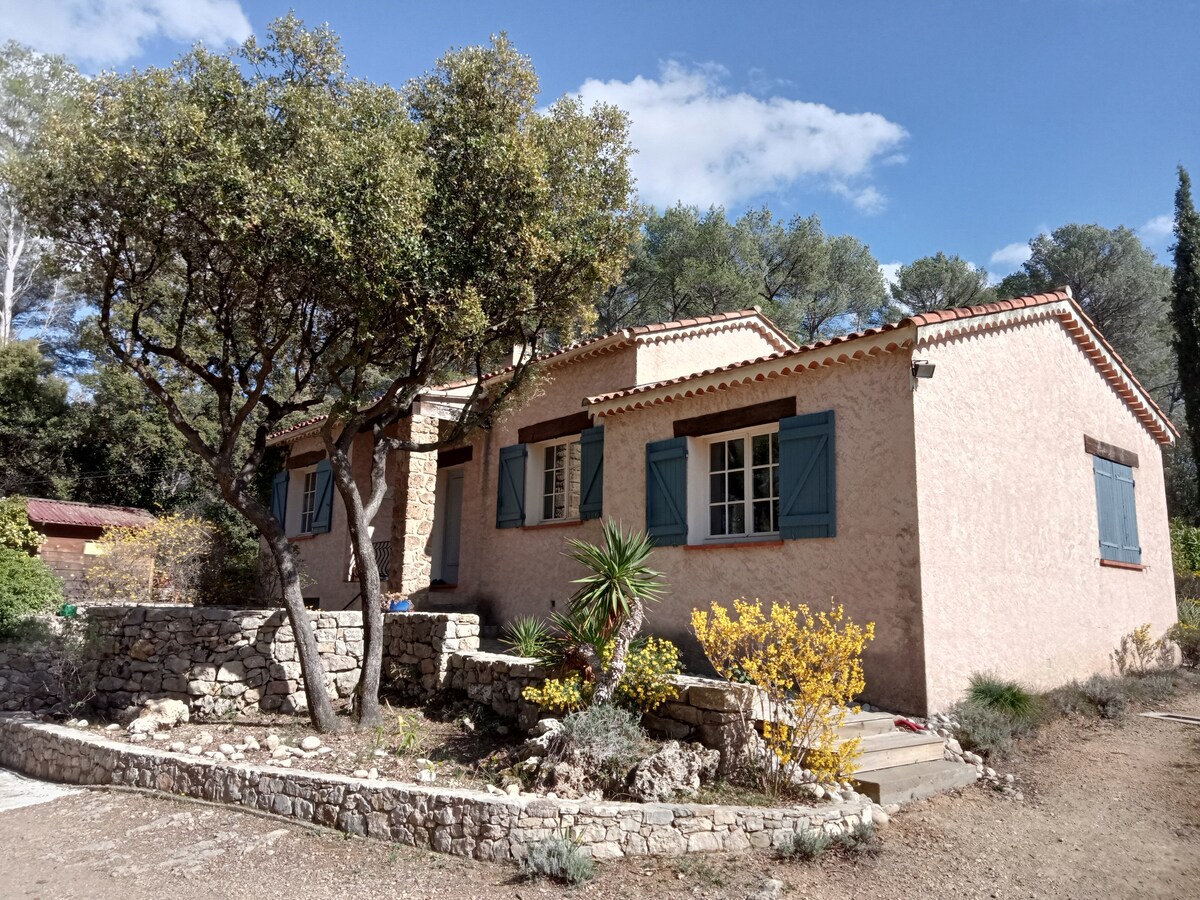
(966, 127)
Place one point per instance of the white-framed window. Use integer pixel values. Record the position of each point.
(742, 488)
(308, 502)
(556, 479)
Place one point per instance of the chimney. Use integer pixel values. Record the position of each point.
(520, 353)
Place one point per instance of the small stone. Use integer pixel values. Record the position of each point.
(286, 763)
(360, 773)
(237, 755)
(195, 749)
(205, 739)
(227, 749)
(492, 789)
(954, 747)
(879, 816)
(160, 736)
(552, 796)
(321, 751)
(513, 790)
(381, 753)
(177, 747)
(373, 774)
(989, 772)
(771, 889)
(891, 808)
(312, 742)
(427, 776)
(1009, 778)
(281, 753)
(251, 744)
(113, 727)
(272, 741)
(81, 723)
(138, 738)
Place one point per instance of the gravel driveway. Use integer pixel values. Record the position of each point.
(1109, 811)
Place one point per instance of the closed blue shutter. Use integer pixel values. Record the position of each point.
(323, 501)
(666, 491)
(279, 492)
(510, 488)
(807, 494)
(1116, 511)
(591, 472)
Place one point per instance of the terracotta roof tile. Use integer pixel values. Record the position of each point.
(68, 512)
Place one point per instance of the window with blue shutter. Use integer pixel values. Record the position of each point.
(279, 492)
(807, 484)
(323, 505)
(510, 488)
(666, 491)
(591, 472)
(1117, 511)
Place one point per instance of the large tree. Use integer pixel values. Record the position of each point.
(1117, 282)
(940, 282)
(1185, 308)
(526, 216)
(38, 428)
(196, 203)
(33, 88)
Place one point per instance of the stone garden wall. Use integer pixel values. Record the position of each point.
(28, 679)
(460, 822)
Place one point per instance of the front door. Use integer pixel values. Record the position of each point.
(452, 525)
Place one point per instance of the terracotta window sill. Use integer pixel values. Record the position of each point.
(1117, 564)
(569, 523)
(731, 544)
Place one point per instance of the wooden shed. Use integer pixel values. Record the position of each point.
(70, 531)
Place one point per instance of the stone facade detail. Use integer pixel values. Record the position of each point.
(413, 510)
(455, 821)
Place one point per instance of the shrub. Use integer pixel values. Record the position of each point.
(648, 683)
(16, 532)
(558, 859)
(1185, 547)
(557, 695)
(1004, 696)
(860, 841)
(607, 736)
(27, 587)
(1107, 696)
(1138, 653)
(526, 636)
(986, 730)
(161, 561)
(806, 846)
(809, 668)
(1186, 632)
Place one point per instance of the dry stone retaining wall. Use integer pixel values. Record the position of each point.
(28, 680)
(459, 822)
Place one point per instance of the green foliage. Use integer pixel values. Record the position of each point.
(619, 577)
(1111, 697)
(808, 845)
(37, 426)
(986, 730)
(27, 587)
(1185, 311)
(1185, 547)
(940, 282)
(558, 859)
(1186, 632)
(1004, 696)
(861, 841)
(1139, 653)
(648, 681)
(608, 737)
(526, 636)
(15, 531)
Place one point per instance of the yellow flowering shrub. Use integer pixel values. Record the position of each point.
(155, 563)
(809, 669)
(646, 685)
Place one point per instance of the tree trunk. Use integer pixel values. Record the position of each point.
(320, 709)
(13, 249)
(608, 679)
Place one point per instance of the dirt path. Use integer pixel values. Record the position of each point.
(1109, 811)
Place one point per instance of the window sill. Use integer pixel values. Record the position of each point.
(1117, 564)
(443, 587)
(727, 545)
(296, 538)
(565, 523)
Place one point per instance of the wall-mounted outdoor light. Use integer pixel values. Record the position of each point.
(922, 368)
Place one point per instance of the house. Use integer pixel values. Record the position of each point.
(985, 484)
(71, 530)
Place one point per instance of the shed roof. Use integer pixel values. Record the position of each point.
(69, 512)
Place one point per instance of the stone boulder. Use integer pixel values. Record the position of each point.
(159, 714)
(676, 770)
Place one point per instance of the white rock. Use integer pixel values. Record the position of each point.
(492, 789)
(954, 747)
(381, 753)
(286, 763)
(273, 741)
(513, 790)
(195, 749)
(138, 738)
(205, 739)
(321, 751)
(177, 747)
(879, 816)
(251, 744)
(1009, 778)
(552, 796)
(427, 776)
(360, 773)
(158, 714)
(81, 723)
(281, 753)
(113, 727)
(227, 749)
(312, 742)
(161, 736)
(373, 774)
(237, 755)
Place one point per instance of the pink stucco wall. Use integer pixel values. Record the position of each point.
(704, 348)
(1007, 511)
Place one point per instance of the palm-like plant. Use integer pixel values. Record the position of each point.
(526, 636)
(609, 606)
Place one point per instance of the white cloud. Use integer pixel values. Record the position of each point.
(1010, 257)
(106, 32)
(890, 271)
(702, 144)
(1157, 230)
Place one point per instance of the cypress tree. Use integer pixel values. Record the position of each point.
(1185, 306)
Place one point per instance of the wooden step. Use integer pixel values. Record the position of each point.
(915, 781)
(898, 748)
(864, 723)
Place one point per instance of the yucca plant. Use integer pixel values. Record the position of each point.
(526, 636)
(610, 603)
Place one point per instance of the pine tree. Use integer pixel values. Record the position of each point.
(1185, 305)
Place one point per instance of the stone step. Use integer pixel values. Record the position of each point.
(898, 748)
(916, 781)
(865, 723)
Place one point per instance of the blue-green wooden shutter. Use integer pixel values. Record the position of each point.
(279, 492)
(591, 472)
(510, 488)
(323, 506)
(666, 491)
(1116, 511)
(807, 486)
